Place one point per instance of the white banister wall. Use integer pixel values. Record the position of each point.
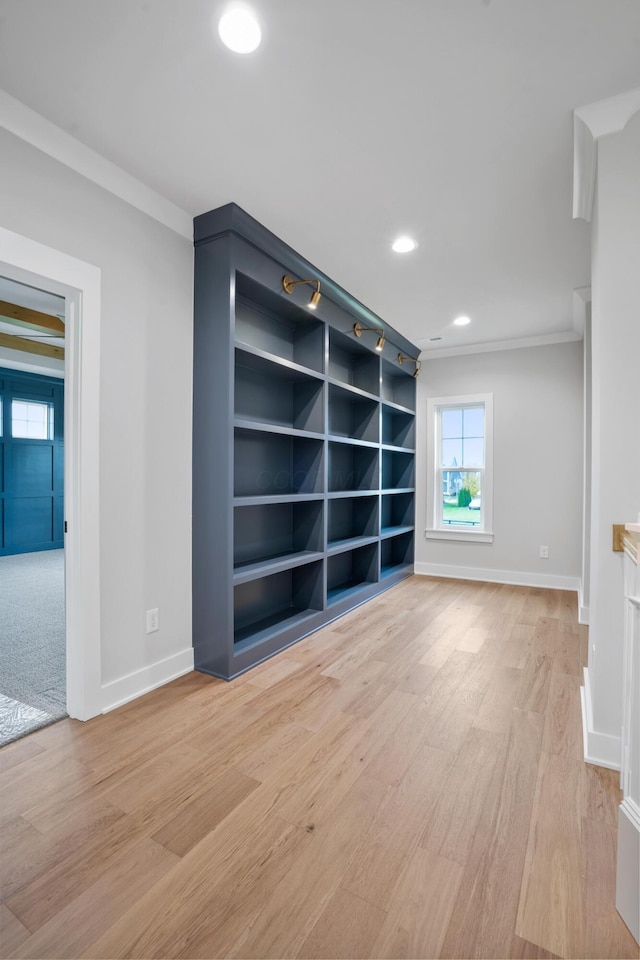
(628, 860)
(615, 491)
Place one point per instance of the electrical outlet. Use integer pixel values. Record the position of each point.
(544, 553)
(153, 621)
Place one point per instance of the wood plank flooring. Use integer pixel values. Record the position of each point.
(408, 782)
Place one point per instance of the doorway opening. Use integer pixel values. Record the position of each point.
(32, 621)
(77, 283)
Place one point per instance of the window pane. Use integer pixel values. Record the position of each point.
(461, 498)
(473, 422)
(18, 410)
(473, 453)
(31, 420)
(451, 453)
(451, 424)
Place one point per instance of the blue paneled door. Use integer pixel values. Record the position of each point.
(31, 463)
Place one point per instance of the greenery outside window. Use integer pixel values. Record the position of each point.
(460, 468)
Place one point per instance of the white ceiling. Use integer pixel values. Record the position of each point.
(355, 120)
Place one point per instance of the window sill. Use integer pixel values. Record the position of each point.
(480, 536)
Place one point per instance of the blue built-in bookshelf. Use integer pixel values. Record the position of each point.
(304, 448)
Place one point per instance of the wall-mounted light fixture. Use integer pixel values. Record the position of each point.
(289, 285)
(418, 363)
(358, 329)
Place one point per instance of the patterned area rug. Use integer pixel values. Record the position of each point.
(17, 719)
(32, 642)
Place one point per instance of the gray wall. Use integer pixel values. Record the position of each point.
(146, 376)
(537, 396)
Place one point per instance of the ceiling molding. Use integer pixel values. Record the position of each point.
(30, 126)
(581, 299)
(584, 169)
(544, 340)
(589, 124)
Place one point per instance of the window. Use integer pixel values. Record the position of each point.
(32, 420)
(460, 468)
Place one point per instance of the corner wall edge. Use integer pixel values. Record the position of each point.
(600, 749)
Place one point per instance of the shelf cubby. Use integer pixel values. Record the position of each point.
(397, 511)
(397, 387)
(269, 532)
(268, 463)
(271, 393)
(396, 554)
(351, 570)
(398, 428)
(275, 603)
(352, 363)
(352, 467)
(397, 470)
(351, 518)
(270, 322)
(351, 415)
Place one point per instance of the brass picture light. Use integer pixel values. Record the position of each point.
(289, 285)
(418, 363)
(358, 329)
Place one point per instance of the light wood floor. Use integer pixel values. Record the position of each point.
(408, 782)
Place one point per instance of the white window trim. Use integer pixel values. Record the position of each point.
(453, 532)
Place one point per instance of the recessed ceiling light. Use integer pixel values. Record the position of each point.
(403, 245)
(462, 321)
(239, 30)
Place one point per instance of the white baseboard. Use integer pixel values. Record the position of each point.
(121, 691)
(628, 866)
(485, 574)
(600, 749)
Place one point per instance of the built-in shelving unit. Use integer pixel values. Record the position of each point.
(348, 572)
(398, 427)
(283, 395)
(397, 470)
(396, 554)
(352, 521)
(304, 436)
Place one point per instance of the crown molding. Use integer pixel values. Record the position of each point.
(581, 300)
(543, 340)
(33, 128)
(589, 124)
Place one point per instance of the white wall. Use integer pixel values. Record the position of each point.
(615, 488)
(145, 394)
(537, 395)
